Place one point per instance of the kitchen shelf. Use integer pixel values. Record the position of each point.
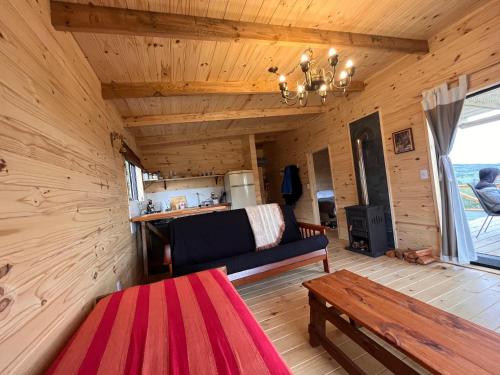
(165, 180)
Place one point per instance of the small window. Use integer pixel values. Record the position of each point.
(134, 182)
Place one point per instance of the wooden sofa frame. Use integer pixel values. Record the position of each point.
(271, 269)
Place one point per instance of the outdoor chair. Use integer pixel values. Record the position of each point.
(490, 214)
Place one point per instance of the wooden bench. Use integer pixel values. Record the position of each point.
(440, 342)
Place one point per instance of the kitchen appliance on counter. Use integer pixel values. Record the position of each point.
(240, 189)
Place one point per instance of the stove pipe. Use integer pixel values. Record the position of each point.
(362, 173)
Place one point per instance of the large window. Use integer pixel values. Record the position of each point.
(134, 182)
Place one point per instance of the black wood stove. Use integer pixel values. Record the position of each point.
(367, 230)
(369, 224)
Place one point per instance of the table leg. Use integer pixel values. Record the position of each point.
(317, 323)
(317, 336)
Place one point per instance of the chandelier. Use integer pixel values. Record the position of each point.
(316, 79)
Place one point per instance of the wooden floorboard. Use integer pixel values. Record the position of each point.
(280, 304)
(488, 242)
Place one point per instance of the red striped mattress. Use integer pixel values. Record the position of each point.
(194, 324)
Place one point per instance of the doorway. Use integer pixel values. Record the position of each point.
(323, 191)
(475, 153)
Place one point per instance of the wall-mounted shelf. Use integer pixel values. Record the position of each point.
(165, 180)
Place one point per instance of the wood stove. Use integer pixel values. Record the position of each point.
(367, 230)
(369, 223)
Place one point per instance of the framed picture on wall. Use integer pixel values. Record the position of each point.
(403, 141)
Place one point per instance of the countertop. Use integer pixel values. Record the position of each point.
(177, 213)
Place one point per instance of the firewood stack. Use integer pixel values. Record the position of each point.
(423, 256)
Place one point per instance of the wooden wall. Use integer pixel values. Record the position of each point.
(191, 159)
(216, 156)
(470, 46)
(64, 231)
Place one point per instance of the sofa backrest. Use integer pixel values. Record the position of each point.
(292, 232)
(207, 237)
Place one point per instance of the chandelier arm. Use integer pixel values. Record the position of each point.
(340, 87)
(330, 77)
(289, 101)
(293, 70)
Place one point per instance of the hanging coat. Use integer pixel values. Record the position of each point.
(291, 187)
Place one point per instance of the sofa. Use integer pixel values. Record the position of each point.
(225, 239)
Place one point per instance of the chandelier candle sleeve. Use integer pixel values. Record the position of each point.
(283, 85)
(317, 79)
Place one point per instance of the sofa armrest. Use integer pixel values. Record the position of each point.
(309, 230)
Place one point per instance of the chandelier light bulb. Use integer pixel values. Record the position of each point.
(349, 64)
(332, 52)
(300, 89)
(304, 58)
(282, 78)
(323, 88)
(343, 75)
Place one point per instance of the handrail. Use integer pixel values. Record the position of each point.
(471, 198)
(466, 185)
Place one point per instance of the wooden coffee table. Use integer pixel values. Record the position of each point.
(440, 342)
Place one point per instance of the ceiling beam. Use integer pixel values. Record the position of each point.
(186, 118)
(125, 90)
(266, 138)
(107, 20)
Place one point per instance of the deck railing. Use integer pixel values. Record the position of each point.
(471, 203)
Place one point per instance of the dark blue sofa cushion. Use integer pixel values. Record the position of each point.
(208, 237)
(254, 259)
(291, 232)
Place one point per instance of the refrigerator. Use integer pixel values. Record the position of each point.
(240, 189)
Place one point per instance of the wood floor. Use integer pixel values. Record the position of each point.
(488, 242)
(280, 304)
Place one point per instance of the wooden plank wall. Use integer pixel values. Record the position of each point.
(470, 46)
(190, 159)
(64, 231)
(217, 156)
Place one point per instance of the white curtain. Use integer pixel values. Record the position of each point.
(443, 107)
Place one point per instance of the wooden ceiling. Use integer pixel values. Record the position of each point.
(119, 58)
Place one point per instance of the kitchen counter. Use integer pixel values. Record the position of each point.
(177, 213)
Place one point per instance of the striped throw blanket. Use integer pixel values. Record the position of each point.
(267, 225)
(195, 324)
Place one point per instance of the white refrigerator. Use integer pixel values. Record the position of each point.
(240, 189)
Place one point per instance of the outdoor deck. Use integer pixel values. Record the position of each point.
(489, 241)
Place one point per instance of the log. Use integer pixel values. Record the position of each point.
(400, 253)
(426, 259)
(409, 254)
(391, 253)
(419, 253)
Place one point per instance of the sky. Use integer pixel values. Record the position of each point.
(477, 145)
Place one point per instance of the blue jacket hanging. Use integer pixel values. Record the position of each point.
(291, 187)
